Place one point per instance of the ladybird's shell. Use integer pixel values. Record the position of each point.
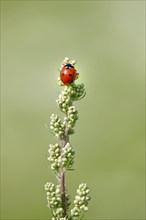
(67, 74)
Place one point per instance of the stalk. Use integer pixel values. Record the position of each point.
(61, 154)
(62, 180)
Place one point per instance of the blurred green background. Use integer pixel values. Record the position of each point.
(107, 40)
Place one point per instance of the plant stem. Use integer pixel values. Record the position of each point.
(63, 142)
(63, 196)
(62, 179)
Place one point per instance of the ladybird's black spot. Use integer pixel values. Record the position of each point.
(63, 74)
(67, 66)
(70, 74)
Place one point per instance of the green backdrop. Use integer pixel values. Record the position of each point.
(107, 40)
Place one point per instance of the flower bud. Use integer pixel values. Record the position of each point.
(81, 201)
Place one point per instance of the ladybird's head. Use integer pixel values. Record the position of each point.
(68, 66)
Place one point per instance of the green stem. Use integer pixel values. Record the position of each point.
(62, 180)
(63, 196)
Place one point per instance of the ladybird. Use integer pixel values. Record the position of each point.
(68, 74)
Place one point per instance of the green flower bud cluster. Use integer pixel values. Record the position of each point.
(60, 218)
(54, 200)
(58, 158)
(71, 117)
(64, 100)
(68, 155)
(56, 126)
(54, 156)
(78, 91)
(81, 200)
(68, 201)
(70, 93)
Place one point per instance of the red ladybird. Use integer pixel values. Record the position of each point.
(68, 74)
